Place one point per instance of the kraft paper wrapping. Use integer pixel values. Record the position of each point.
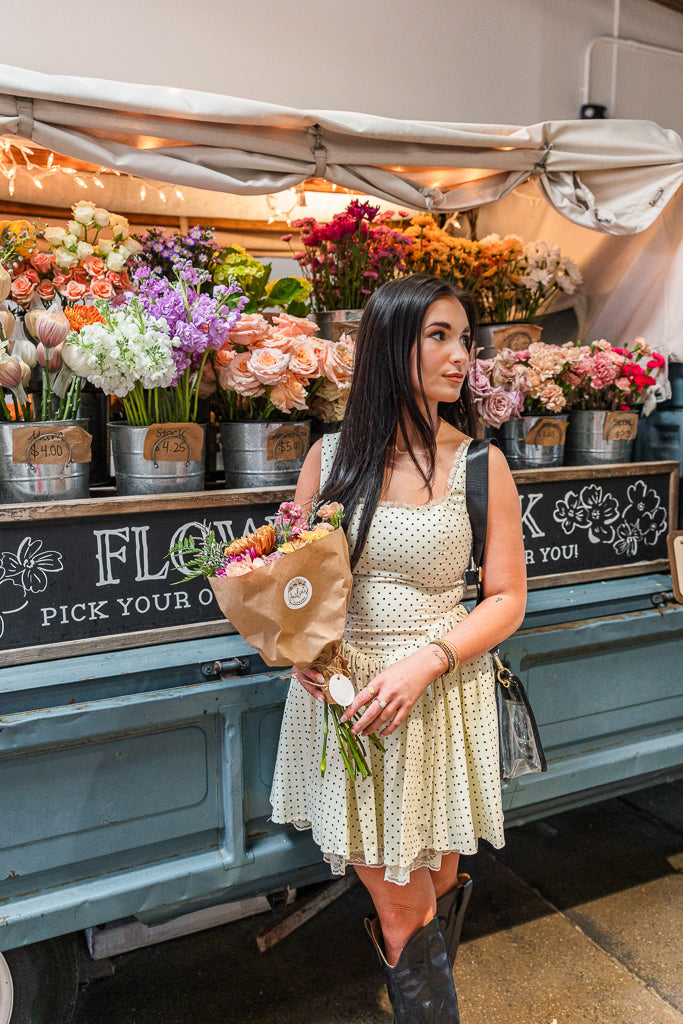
(292, 610)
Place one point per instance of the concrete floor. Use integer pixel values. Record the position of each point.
(577, 920)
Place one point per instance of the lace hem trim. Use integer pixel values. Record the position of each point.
(449, 485)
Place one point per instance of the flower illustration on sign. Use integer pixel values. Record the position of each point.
(570, 513)
(590, 510)
(641, 521)
(27, 569)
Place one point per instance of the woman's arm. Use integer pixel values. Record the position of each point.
(497, 617)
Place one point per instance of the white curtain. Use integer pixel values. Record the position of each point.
(611, 176)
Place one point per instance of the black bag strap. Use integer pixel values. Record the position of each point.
(477, 502)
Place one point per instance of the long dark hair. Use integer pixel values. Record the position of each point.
(382, 401)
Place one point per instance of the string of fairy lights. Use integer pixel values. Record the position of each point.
(39, 165)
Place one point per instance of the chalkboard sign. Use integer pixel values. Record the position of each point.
(78, 577)
(75, 583)
(596, 522)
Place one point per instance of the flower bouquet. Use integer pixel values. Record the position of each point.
(286, 588)
(272, 371)
(601, 376)
(83, 262)
(529, 382)
(347, 259)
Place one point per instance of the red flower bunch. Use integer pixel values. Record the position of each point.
(349, 257)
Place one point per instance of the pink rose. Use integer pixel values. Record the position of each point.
(95, 266)
(42, 261)
(32, 275)
(22, 289)
(480, 386)
(74, 291)
(80, 275)
(268, 364)
(60, 281)
(500, 406)
(46, 290)
(237, 376)
(249, 330)
(303, 359)
(293, 326)
(289, 394)
(336, 362)
(101, 288)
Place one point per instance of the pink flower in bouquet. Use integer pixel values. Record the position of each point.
(96, 267)
(100, 288)
(74, 291)
(237, 376)
(268, 365)
(623, 383)
(552, 397)
(22, 289)
(60, 281)
(602, 372)
(46, 291)
(293, 326)
(499, 406)
(303, 359)
(336, 361)
(288, 394)
(41, 261)
(480, 385)
(251, 329)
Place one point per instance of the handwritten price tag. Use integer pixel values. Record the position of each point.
(173, 442)
(286, 443)
(516, 336)
(547, 432)
(43, 447)
(620, 426)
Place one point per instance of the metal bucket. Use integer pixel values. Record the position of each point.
(586, 445)
(137, 475)
(29, 481)
(257, 454)
(333, 323)
(521, 455)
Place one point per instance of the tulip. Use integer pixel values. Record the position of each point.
(11, 373)
(6, 324)
(5, 284)
(25, 350)
(30, 322)
(52, 328)
(49, 359)
(25, 374)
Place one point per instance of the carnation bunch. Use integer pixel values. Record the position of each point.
(349, 257)
(605, 376)
(265, 370)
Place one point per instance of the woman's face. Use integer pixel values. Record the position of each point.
(445, 345)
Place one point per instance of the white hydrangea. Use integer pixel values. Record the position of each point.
(132, 347)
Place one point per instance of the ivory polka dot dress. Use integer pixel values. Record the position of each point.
(436, 789)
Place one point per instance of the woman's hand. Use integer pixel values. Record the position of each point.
(309, 678)
(390, 696)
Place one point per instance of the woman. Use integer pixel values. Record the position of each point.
(418, 661)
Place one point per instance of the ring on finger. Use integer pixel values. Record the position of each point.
(371, 689)
(382, 704)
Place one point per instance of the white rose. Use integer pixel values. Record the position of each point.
(83, 250)
(115, 261)
(132, 245)
(54, 236)
(104, 247)
(119, 227)
(84, 211)
(101, 217)
(75, 229)
(69, 241)
(65, 259)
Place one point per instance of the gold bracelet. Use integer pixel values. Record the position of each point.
(451, 652)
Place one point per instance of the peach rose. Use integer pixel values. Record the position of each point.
(60, 281)
(101, 288)
(237, 376)
(333, 508)
(114, 278)
(293, 326)
(81, 276)
(249, 329)
(32, 275)
(337, 362)
(268, 364)
(289, 394)
(22, 289)
(74, 291)
(274, 339)
(95, 266)
(303, 359)
(46, 290)
(41, 261)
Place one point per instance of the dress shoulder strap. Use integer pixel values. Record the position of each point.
(329, 450)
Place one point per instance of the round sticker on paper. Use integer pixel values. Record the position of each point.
(298, 592)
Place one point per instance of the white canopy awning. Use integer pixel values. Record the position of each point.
(611, 176)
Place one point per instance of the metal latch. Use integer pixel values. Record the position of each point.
(225, 669)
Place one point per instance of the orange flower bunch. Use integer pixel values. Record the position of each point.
(435, 251)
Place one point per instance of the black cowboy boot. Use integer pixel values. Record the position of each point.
(450, 909)
(420, 986)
